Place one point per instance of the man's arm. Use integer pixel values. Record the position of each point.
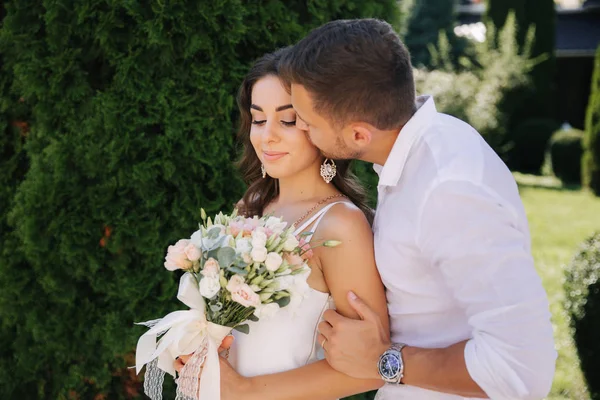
(475, 239)
(479, 243)
(442, 370)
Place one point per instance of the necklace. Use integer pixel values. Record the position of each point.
(326, 199)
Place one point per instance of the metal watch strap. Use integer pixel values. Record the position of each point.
(398, 347)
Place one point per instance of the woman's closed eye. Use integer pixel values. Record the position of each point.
(263, 121)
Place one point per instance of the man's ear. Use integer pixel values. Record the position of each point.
(362, 134)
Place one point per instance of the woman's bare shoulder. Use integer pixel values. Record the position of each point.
(344, 220)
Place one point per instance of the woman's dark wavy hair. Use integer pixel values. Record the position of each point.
(261, 191)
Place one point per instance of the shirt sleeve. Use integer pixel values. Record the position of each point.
(480, 244)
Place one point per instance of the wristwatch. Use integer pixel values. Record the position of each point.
(391, 364)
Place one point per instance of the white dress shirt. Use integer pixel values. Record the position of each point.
(453, 249)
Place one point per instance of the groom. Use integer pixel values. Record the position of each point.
(468, 314)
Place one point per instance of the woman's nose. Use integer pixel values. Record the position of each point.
(271, 132)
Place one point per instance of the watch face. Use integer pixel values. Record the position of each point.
(390, 366)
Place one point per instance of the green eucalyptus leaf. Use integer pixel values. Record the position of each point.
(225, 256)
(244, 328)
(282, 302)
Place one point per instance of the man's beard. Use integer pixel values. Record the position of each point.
(342, 151)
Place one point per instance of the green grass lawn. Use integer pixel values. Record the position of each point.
(559, 219)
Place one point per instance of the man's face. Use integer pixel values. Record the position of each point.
(319, 129)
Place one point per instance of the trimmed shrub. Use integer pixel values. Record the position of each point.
(564, 152)
(591, 143)
(582, 304)
(479, 95)
(530, 141)
(131, 110)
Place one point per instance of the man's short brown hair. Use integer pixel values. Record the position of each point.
(355, 70)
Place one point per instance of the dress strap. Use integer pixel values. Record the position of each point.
(316, 219)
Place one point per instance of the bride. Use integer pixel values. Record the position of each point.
(288, 177)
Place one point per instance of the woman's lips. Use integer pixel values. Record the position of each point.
(272, 155)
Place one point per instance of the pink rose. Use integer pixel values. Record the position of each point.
(211, 268)
(235, 227)
(305, 247)
(246, 296)
(176, 257)
(192, 252)
(235, 283)
(293, 259)
(250, 224)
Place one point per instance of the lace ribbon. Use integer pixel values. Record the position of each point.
(183, 332)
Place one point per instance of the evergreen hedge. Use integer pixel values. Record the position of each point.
(118, 123)
(591, 157)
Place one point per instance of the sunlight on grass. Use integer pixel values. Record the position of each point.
(559, 219)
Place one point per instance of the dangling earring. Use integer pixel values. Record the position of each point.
(263, 170)
(328, 171)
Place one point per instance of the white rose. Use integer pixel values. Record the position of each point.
(273, 262)
(259, 238)
(259, 254)
(265, 311)
(243, 246)
(276, 225)
(209, 287)
(291, 243)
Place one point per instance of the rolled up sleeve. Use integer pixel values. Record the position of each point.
(479, 242)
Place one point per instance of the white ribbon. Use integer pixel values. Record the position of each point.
(184, 332)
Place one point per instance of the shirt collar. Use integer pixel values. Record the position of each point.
(390, 172)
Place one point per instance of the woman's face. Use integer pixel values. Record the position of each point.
(283, 149)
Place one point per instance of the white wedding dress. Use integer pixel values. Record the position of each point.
(288, 339)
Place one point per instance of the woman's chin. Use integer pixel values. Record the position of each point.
(280, 174)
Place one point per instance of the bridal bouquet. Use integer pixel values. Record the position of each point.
(235, 269)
